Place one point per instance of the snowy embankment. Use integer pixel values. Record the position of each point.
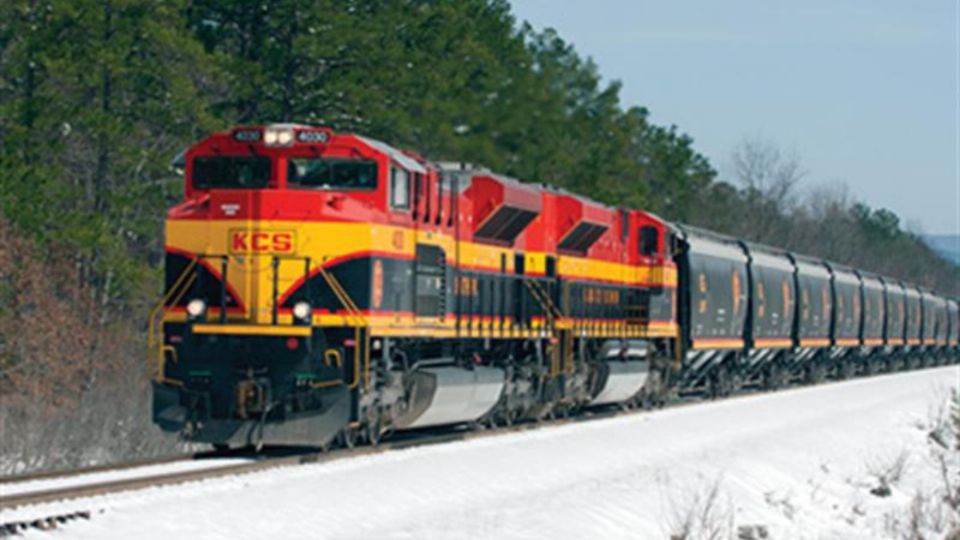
(843, 460)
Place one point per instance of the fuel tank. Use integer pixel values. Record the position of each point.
(627, 369)
(450, 395)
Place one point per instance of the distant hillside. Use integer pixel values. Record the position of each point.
(947, 245)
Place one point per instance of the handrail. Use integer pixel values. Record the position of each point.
(561, 356)
(161, 364)
(550, 309)
(359, 322)
(155, 326)
(332, 355)
(163, 301)
(343, 297)
(161, 358)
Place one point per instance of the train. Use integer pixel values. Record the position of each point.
(327, 288)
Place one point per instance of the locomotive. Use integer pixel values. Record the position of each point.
(325, 286)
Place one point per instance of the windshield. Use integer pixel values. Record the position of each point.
(222, 172)
(331, 173)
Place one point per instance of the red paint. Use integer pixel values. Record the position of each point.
(477, 198)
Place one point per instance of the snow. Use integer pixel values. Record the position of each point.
(796, 464)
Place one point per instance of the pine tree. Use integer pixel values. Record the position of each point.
(103, 93)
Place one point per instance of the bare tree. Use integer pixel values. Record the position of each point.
(768, 178)
(760, 165)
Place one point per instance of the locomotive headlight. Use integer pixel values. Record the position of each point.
(196, 308)
(278, 136)
(302, 312)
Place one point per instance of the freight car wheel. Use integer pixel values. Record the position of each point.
(845, 369)
(816, 373)
(720, 384)
(775, 377)
(908, 363)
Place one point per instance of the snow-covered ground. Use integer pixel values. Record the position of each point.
(794, 464)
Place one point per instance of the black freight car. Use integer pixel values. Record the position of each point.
(712, 272)
(771, 314)
(953, 327)
(815, 310)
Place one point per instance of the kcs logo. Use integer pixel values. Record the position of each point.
(242, 241)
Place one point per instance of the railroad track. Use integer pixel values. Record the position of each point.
(94, 489)
(255, 463)
(106, 467)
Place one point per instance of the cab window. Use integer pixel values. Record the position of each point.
(332, 173)
(649, 241)
(231, 172)
(399, 188)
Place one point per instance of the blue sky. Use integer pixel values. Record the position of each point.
(864, 93)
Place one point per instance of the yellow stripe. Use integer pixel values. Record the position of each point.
(717, 343)
(814, 342)
(342, 239)
(390, 325)
(773, 343)
(251, 329)
(847, 342)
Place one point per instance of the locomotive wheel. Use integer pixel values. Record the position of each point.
(325, 447)
(373, 433)
(347, 438)
(645, 400)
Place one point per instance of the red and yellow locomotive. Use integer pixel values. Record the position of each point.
(321, 284)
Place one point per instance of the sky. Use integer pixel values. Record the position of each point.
(864, 93)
